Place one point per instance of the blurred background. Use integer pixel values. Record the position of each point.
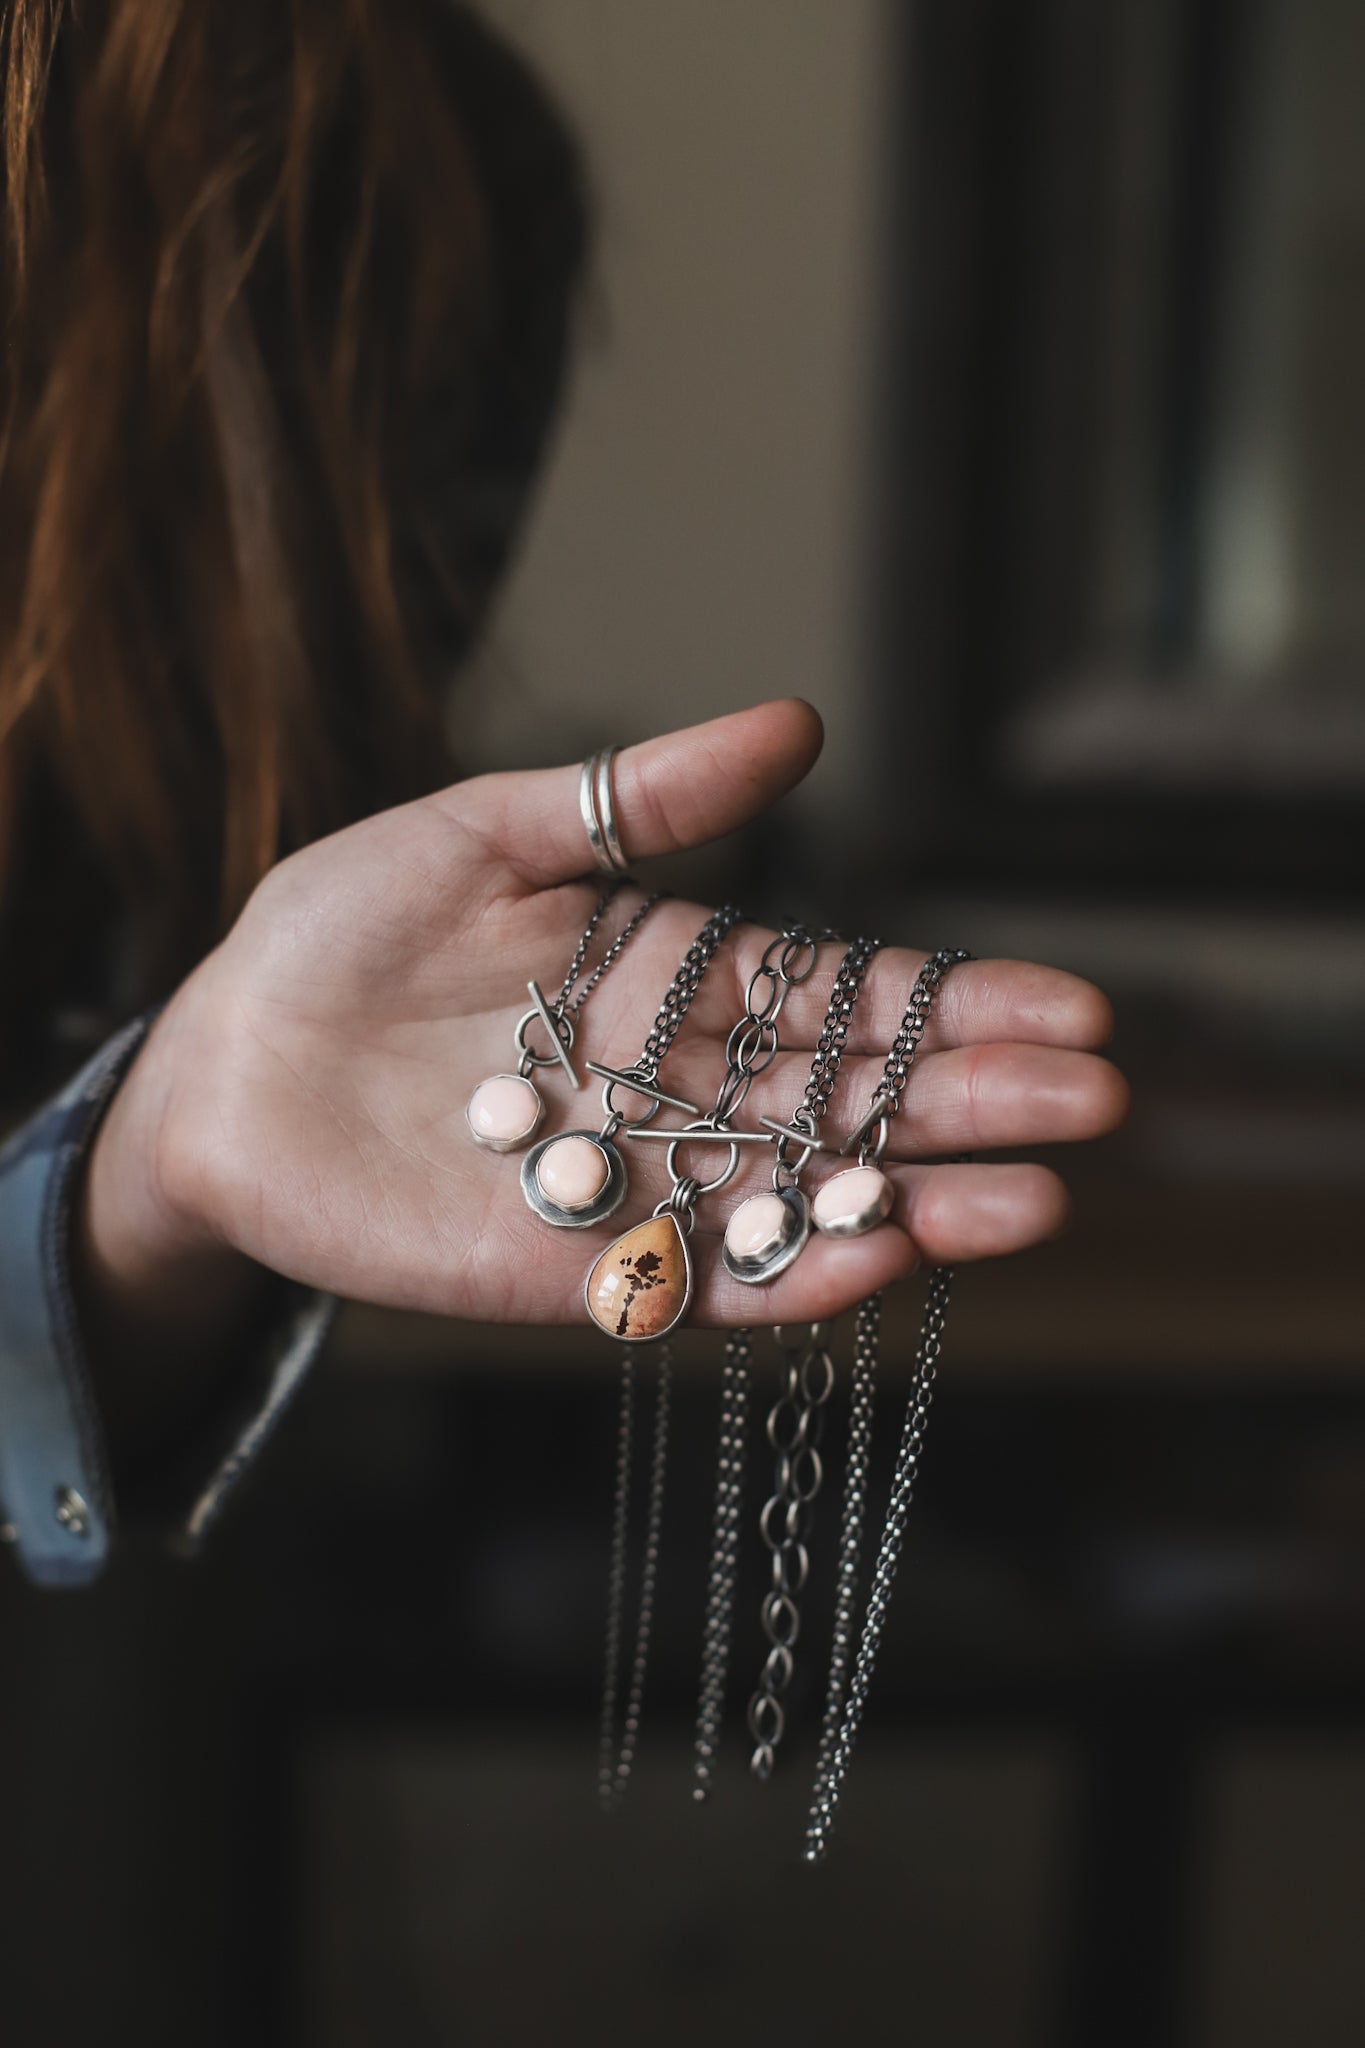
(990, 374)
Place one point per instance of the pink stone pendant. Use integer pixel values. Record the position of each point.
(574, 1180)
(641, 1287)
(504, 1112)
(853, 1202)
(765, 1234)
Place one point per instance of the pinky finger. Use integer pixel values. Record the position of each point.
(977, 1211)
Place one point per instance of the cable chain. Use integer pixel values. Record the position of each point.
(901, 1058)
(616, 1754)
(862, 1397)
(829, 1051)
(609, 958)
(785, 1523)
(684, 985)
(836, 1749)
(844, 1709)
(608, 896)
(788, 960)
(725, 1540)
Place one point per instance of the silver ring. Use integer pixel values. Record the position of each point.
(597, 808)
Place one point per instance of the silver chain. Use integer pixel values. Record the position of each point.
(609, 890)
(843, 1716)
(796, 1420)
(862, 1397)
(876, 1125)
(795, 1426)
(725, 1541)
(613, 953)
(788, 960)
(683, 987)
(846, 1699)
(616, 1746)
(749, 1045)
(829, 1051)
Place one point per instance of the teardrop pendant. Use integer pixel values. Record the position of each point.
(642, 1285)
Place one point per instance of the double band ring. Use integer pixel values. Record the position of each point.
(597, 806)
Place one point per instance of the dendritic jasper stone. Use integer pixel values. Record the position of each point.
(504, 1111)
(853, 1202)
(641, 1285)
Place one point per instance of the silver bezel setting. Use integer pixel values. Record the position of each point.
(602, 1205)
(506, 1144)
(689, 1285)
(862, 1220)
(757, 1272)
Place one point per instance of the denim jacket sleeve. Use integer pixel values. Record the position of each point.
(56, 1502)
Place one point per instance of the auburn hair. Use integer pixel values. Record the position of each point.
(285, 289)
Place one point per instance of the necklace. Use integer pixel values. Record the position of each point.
(845, 1697)
(642, 1285)
(766, 1233)
(506, 1110)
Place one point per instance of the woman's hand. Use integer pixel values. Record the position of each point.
(301, 1103)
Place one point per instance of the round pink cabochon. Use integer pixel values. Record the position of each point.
(759, 1225)
(572, 1172)
(503, 1108)
(861, 1191)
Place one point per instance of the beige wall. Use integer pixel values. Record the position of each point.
(701, 538)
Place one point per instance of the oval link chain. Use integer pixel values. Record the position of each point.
(795, 1428)
(788, 960)
(784, 959)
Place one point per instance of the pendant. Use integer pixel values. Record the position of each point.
(574, 1180)
(853, 1202)
(504, 1112)
(641, 1287)
(765, 1234)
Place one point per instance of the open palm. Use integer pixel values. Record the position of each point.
(324, 1055)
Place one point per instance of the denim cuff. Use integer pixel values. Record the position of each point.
(56, 1500)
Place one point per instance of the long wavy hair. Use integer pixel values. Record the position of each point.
(285, 289)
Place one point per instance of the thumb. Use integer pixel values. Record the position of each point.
(674, 792)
